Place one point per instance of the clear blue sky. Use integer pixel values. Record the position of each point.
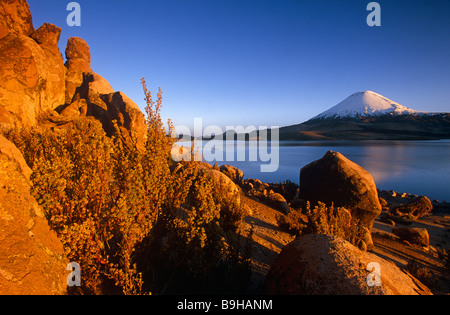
(263, 62)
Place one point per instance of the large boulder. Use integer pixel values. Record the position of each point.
(15, 17)
(416, 209)
(416, 236)
(225, 186)
(89, 90)
(318, 264)
(334, 179)
(235, 174)
(92, 87)
(32, 259)
(278, 202)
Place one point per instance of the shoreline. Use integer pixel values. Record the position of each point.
(270, 238)
(414, 167)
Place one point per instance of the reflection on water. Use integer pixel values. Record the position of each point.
(417, 167)
(382, 162)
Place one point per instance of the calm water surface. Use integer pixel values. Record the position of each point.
(416, 167)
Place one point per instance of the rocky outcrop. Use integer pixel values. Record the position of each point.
(31, 66)
(36, 81)
(108, 106)
(78, 62)
(31, 83)
(89, 94)
(334, 179)
(47, 36)
(32, 259)
(15, 18)
(103, 102)
(317, 264)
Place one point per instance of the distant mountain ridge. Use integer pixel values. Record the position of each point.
(370, 116)
(364, 116)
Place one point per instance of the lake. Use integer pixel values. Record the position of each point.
(415, 167)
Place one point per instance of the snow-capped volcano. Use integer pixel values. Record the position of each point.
(366, 104)
(370, 116)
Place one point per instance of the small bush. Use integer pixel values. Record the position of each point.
(294, 223)
(322, 220)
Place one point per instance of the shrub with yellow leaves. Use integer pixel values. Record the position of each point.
(130, 221)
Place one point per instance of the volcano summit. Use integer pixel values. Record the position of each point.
(370, 116)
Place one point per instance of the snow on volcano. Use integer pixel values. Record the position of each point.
(366, 104)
